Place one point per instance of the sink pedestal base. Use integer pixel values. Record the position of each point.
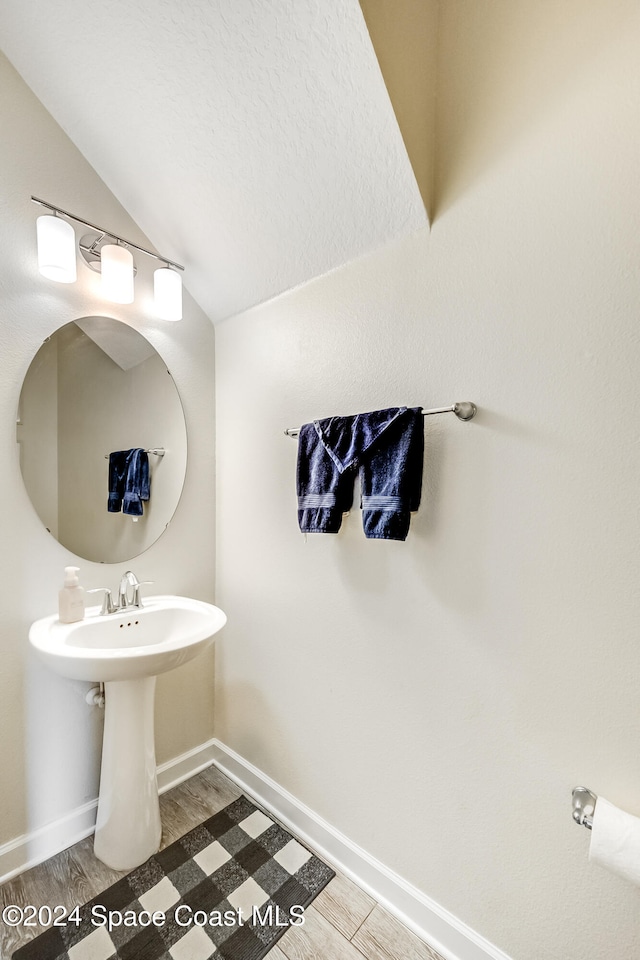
(128, 828)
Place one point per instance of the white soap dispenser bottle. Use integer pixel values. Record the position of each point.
(71, 597)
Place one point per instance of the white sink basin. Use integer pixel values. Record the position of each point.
(164, 633)
(126, 651)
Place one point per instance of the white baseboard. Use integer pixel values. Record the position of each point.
(187, 765)
(431, 922)
(32, 848)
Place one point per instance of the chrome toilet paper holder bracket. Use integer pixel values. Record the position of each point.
(584, 804)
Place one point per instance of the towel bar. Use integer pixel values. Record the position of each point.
(584, 803)
(464, 410)
(156, 451)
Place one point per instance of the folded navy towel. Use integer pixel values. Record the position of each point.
(391, 479)
(136, 486)
(385, 446)
(128, 481)
(118, 465)
(324, 492)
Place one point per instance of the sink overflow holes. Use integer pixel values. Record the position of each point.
(130, 624)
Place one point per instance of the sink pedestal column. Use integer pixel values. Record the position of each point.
(128, 828)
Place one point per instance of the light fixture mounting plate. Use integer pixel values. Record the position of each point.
(90, 247)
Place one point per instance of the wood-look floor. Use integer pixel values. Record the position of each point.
(343, 923)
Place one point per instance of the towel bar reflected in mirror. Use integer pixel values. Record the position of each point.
(156, 451)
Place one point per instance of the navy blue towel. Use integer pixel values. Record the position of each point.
(324, 492)
(128, 481)
(136, 487)
(386, 447)
(118, 463)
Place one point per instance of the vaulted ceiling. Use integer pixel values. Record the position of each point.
(251, 140)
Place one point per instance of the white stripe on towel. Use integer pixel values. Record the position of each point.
(382, 503)
(313, 501)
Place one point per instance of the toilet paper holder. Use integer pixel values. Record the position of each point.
(584, 804)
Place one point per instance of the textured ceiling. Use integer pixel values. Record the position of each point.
(251, 140)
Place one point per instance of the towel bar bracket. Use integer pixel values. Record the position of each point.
(464, 410)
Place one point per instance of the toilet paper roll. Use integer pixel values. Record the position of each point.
(615, 841)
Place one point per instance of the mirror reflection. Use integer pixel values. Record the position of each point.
(102, 439)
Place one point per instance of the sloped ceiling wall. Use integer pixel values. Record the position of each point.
(252, 141)
(404, 34)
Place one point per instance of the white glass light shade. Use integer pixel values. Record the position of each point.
(167, 294)
(56, 249)
(116, 266)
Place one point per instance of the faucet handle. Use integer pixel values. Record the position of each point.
(137, 599)
(108, 605)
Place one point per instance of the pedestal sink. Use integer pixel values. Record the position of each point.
(126, 650)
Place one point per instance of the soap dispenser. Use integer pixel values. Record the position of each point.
(71, 597)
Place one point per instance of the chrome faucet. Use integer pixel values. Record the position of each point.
(129, 591)
(128, 594)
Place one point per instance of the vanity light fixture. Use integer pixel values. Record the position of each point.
(108, 254)
(116, 268)
(167, 293)
(56, 249)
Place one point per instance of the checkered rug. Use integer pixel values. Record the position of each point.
(225, 891)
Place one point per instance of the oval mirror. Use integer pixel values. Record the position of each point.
(97, 387)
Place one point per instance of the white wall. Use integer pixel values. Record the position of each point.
(437, 700)
(50, 745)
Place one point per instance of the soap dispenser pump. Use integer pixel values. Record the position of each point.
(71, 597)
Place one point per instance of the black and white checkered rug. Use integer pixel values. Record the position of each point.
(225, 891)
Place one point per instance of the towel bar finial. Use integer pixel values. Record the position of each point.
(465, 410)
